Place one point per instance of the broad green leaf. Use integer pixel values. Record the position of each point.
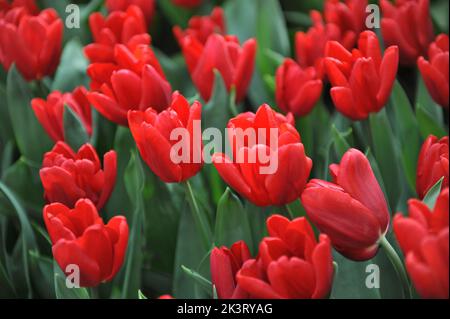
(141, 295)
(408, 132)
(231, 221)
(341, 145)
(134, 182)
(42, 275)
(31, 139)
(198, 278)
(427, 124)
(61, 289)
(385, 152)
(6, 131)
(72, 68)
(216, 112)
(433, 194)
(74, 132)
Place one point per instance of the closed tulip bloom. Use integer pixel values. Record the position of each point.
(134, 82)
(33, 43)
(408, 25)
(50, 112)
(435, 70)
(29, 5)
(362, 80)
(352, 210)
(423, 238)
(225, 263)
(119, 27)
(275, 180)
(201, 27)
(152, 134)
(147, 7)
(432, 164)
(79, 237)
(187, 3)
(349, 16)
(291, 263)
(297, 89)
(68, 176)
(310, 45)
(234, 62)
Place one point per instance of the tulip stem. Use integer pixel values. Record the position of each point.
(289, 210)
(200, 219)
(398, 265)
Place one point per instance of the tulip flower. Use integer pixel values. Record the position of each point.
(235, 63)
(435, 71)
(153, 135)
(225, 263)
(423, 238)
(200, 28)
(349, 16)
(352, 210)
(80, 238)
(269, 169)
(362, 80)
(29, 5)
(50, 112)
(432, 164)
(408, 25)
(118, 27)
(147, 7)
(33, 43)
(310, 46)
(134, 82)
(187, 3)
(297, 89)
(291, 263)
(68, 176)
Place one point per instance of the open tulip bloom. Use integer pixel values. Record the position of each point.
(193, 149)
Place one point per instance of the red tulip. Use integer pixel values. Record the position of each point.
(50, 112)
(68, 176)
(423, 238)
(80, 238)
(201, 27)
(352, 210)
(166, 297)
(310, 46)
(29, 5)
(187, 3)
(118, 27)
(152, 133)
(349, 16)
(225, 263)
(297, 89)
(235, 63)
(362, 80)
(270, 169)
(291, 263)
(432, 164)
(33, 43)
(147, 7)
(408, 25)
(134, 82)
(435, 71)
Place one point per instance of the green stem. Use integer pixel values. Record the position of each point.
(289, 210)
(398, 265)
(200, 219)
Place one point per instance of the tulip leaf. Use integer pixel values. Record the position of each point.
(408, 132)
(6, 132)
(134, 183)
(42, 275)
(31, 139)
(384, 147)
(141, 295)
(433, 194)
(340, 140)
(215, 113)
(427, 124)
(72, 68)
(204, 283)
(231, 221)
(61, 289)
(74, 132)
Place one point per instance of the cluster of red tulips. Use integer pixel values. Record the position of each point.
(345, 79)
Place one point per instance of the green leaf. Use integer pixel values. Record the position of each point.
(231, 221)
(433, 194)
(427, 124)
(42, 275)
(340, 140)
(141, 295)
(74, 131)
(61, 289)
(385, 152)
(408, 133)
(6, 131)
(216, 112)
(72, 68)
(31, 139)
(199, 279)
(134, 182)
